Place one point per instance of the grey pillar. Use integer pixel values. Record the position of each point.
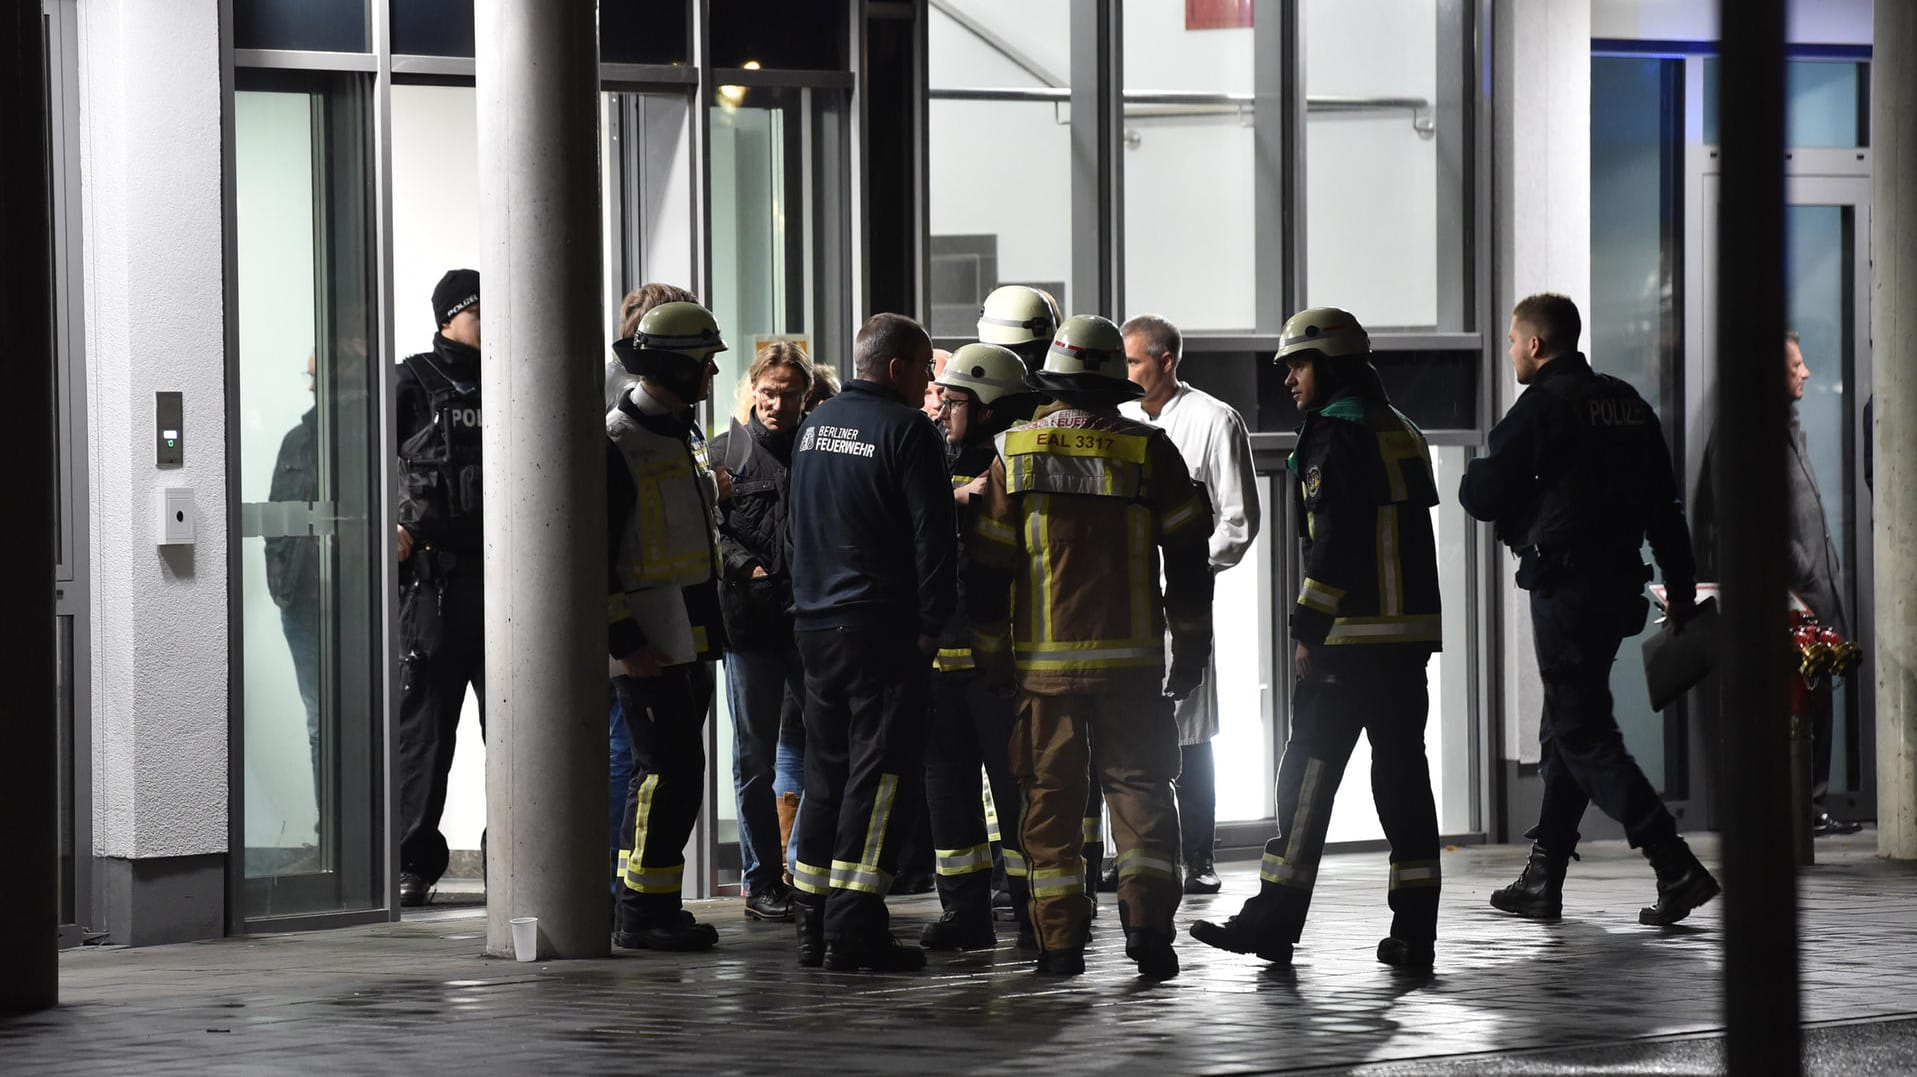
(1893, 331)
(29, 828)
(538, 99)
(1760, 896)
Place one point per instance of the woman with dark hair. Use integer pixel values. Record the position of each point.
(755, 592)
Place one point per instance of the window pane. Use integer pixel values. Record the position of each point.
(1823, 103)
(999, 44)
(1371, 175)
(432, 27)
(318, 25)
(794, 36)
(1189, 214)
(644, 32)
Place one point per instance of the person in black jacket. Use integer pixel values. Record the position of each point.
(292, 565)
(1577, 477)
(983, 393)
(872, 548)
(755, 595)
(442, 613)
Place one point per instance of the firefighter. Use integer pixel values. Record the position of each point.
(663, 616)
(1075, 512)
(984, 393)
(1364, 626)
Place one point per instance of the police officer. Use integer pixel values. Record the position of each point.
(1577, 478)
(1075, 513)
(442, 611)
(872, 550)
(1019, 318)
(984, 393)
(663, 615)
(1364, 627)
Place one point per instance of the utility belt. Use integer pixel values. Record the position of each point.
(433, 566)
(1540, 566)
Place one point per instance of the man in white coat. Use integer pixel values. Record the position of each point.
(1211, 436)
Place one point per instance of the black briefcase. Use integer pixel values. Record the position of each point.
(1674, 662)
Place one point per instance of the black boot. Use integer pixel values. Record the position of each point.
(880, 953)
(675, 931)
(1200, 875)
(1408, 956)
(1252, 931)
(1152, 950)
(960, 929)
(811, 922)
(1538, 894)
(1682, 883)
(1062, 962)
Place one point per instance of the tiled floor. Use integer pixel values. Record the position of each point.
(1509, 995)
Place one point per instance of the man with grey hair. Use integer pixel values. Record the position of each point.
(1211, 436)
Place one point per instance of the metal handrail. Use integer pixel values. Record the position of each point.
(1155, 104)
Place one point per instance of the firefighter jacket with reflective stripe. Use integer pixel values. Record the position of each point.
(1363, 499)
(662, 532)
(436, 400)
(1076, 510)
(955, 643)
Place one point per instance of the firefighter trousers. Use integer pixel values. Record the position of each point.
(866, 704)
(1383, 696)
(1131, 743)
(972, 727)
(665, 719)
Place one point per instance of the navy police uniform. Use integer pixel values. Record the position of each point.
(1577, 477)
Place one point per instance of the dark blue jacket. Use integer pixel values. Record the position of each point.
(871, 539)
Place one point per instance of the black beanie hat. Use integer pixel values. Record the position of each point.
(456, 291)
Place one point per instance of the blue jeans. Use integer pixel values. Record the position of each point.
(301, 626)
(620, 746)
(788, 775)
(756, 685)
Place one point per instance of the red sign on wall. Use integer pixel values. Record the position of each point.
(1217, 14)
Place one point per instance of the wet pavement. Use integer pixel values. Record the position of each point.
(1596, 991)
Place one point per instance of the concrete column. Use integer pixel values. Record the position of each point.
(545, 486)
(1893, 325)
(29, 828)
(1542, 133)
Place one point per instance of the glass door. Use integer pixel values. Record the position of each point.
(312, 830)
(1827, 267)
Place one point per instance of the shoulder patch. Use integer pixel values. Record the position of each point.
(1314, 482)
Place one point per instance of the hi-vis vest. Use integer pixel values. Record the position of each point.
(671, 539)
(1077, 508)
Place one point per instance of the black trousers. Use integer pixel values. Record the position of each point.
(1582, 759)
(865, 716)
(1822, 706)
(971, 728)
(442, 632)
(665, 718)
(1197, 803)
(1384, 697)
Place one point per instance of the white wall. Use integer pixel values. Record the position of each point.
(150, 163)
(1823, 22)
(1542, 211)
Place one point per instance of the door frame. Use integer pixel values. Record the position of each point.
(1813, 177)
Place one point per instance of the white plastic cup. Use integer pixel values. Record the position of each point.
(526, 938)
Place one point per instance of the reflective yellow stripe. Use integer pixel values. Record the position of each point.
(1058, 882)
(992, 833)
(641, 817)
(1179, 517)
(1042, 568)
(1062, 657)
(1390, 575)
(1320, 596)
(624, 856)
(1071, 441)
(1090, 832)
(1415, 873)
(811, 879)
(1015, 863)
(1141, 563)
(645, 880)
(867, 878)
(1274, 870)
(888, 792)
(994, 531)
(1154, 862)
(954, 660)
(1419, 628)
(962, 861)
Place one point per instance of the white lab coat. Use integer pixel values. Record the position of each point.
(1211, 436)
